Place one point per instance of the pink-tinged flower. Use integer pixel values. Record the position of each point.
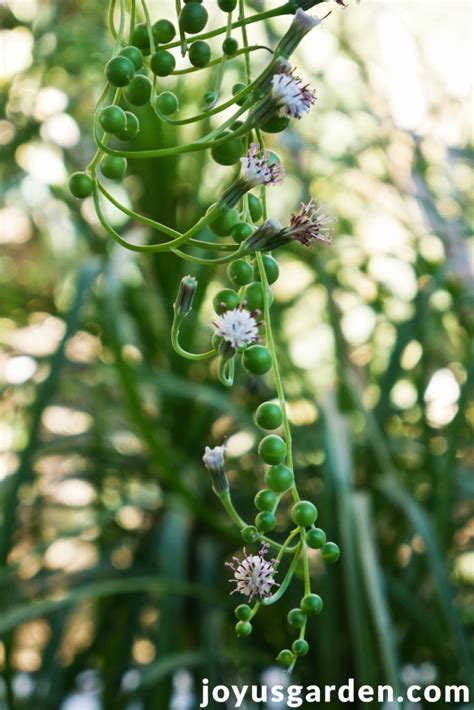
(293, 98)
(257, 170)
(253, 575)
(237, 327)
(309, 224)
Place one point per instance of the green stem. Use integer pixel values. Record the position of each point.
(162, 227)
(182, 36)
(286, 581)
(306, 572)
(210, 262)
(276, 369)
(148, 26)
(133, 11)
(147, 248)
(228, 506)
(226, 371)
(112, 29)
(286, 9)
(184, 353)
(205, 114)
(214, 62)
(201, 144)
(245, 39)
(222, 63)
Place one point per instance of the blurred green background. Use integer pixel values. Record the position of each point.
(113, 589)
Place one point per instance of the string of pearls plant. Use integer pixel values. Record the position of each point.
(264, 104)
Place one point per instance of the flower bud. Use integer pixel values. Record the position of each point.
(214, 462)
(299, 28)
(185, 297)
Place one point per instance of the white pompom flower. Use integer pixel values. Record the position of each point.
(292, 97)
(254, 576)
(257, 170)
(237, 327)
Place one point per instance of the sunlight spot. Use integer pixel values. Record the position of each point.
(411, 355)
(143, 651)
(398, 276)
(83, 348)
(15, 226)
(441, 398)
(62, 129)
(24, 11)
(358, 324)
(16, 51)
(130, 517)
(19, 369)
(43, 162)
(74, 492)
(238, 444)
(65, 421)
(40, 338)
(294, 278)
(7, 132)
(48, 102)
(464, 567)
(302, 412)
(71, 555)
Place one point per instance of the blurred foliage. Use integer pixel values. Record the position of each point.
(112, 545)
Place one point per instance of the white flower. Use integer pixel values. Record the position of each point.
(256, 169)
(238, 327)
(310, 223)
(253, 575)
(292, 97)
(214, 458)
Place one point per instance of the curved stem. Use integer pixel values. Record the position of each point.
(181, 351)
(165, 246)
(112, 29)
(209, 262)
(163, 228)
(286, 581)
(228, 506)
(226, 371)
(135, 215)
(205, 114)
(201, 144)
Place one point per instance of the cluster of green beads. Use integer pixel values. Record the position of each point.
(133, 74)
(129, 72)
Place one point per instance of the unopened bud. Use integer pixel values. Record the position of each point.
(214, 462)
(299, 28)
(186, 292)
